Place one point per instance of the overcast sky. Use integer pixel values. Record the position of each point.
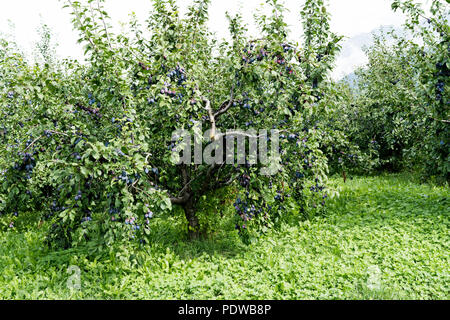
(349, 18)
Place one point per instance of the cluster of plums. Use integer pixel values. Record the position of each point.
(79, 195)
(246, 211)
(92, 111)
(149, 215)
(86, 219)
(27, 165)
(244, 180)
(279, 196)
(124, 177)
(250, 56)
(443, 71)
(154, 170)
(439, 90)
(178, 74)
(54, 209)
(115, 212)
(134, 226)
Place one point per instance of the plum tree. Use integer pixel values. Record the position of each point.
(95, 143)
(383, 122)
(400, 117)
(433, 65)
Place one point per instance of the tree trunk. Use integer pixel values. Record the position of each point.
(193, 223)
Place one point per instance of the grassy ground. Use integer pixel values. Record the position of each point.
(384, 238)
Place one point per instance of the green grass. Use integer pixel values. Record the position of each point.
(389, 229)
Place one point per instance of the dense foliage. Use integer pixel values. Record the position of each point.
(90, 146)
(399, 114)
(87, 149)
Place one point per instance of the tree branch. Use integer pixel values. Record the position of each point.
(222, 184)
(81, 24)
(181, 200)
(444, 121)
(211, 118)
(32, 143)
(104, 23)
(222, 110)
